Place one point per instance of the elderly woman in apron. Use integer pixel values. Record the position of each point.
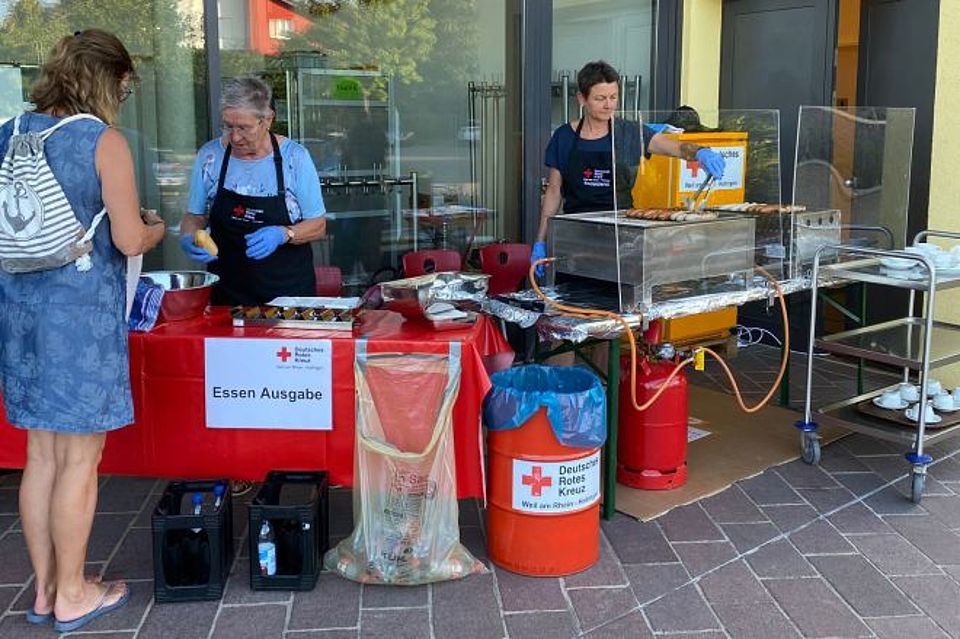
(259, 193)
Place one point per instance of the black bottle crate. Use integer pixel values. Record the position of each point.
(297, 505)
(188, 565)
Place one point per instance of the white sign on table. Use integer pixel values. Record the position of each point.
(268, 383)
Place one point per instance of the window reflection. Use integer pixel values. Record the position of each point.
(620, 32)
(378, 92)
(163, 120)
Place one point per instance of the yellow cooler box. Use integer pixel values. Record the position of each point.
(664, 182)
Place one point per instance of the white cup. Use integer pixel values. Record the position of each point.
(943, 401)
(890, 399)
(934, 387)
(956, 396)
(914, 411)
(909, 392)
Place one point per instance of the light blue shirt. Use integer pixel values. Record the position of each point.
(258, 178)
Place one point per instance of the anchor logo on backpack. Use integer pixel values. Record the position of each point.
(22, 211)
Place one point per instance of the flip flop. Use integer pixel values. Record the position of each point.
(98, 611)
(36, 618)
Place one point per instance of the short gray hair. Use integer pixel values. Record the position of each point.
(249, 93)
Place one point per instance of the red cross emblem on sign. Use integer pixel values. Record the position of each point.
(284, 354)
(239, 210)
(694, 167)
(536, 481)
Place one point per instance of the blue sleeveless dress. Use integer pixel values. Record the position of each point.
(63, 336)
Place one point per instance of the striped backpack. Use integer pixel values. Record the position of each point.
(38, 228)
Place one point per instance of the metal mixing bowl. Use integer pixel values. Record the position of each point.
(186, 293)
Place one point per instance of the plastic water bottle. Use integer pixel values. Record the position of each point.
(218, 492)
(197, 508)
(267, 550)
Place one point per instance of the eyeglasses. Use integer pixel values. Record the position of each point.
(245, 130)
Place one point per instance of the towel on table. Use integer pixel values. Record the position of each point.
(146, 306)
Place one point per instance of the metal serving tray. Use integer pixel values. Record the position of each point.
(241, 322)
(344, 323)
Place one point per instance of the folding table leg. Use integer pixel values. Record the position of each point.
(610, 448)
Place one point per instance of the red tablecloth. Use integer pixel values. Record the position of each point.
(169, 439)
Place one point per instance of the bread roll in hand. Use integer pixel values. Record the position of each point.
(202, 239)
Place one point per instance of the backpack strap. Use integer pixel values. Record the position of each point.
(83, 262)
(67, 120)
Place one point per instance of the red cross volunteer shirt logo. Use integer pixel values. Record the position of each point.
(536, 481)
(284, 354)
(588, 173)
(239, 210)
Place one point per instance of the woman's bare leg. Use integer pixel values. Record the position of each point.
(36, 493)
(71, 518)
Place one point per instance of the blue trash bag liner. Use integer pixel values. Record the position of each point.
(574, 398)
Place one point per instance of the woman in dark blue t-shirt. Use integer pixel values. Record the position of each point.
(580, 156)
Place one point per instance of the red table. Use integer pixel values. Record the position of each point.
(169, 439)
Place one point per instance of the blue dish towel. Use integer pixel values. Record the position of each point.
(146, 306)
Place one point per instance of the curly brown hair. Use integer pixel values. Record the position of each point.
(84, 74)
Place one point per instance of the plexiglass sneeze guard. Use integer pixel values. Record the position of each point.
(854, 162)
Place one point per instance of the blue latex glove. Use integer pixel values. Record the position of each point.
(711, 161)
(538, 253)
(193, 251)
(263, 242)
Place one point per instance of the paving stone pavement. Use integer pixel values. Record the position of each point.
(798, 551)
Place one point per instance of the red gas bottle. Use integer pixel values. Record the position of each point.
(652, 444)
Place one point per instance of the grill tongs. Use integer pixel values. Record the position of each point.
(695, 203)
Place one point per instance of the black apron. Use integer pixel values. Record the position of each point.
(588, 178)
(587, 183)
(287, 271)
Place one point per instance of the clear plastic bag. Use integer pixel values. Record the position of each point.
(406, 520)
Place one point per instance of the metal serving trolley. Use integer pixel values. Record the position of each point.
(916, 344)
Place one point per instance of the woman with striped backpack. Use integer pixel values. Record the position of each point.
(69, 219)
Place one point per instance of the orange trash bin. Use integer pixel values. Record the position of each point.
(543, 515)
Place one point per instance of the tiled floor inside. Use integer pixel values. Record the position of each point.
(798, 551)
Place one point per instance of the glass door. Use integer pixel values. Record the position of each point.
(621, 32)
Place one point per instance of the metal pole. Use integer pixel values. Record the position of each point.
(565, 96)
(414, 190)
(496, 157)
(483, 144)
(636, 96)
(622, 98)
(472, 122)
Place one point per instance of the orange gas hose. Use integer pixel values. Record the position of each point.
(588, 313)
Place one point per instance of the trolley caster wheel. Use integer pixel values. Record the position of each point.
(810, 448)
(917, 483)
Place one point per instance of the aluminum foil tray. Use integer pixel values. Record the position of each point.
(326, 319)
(411, 297)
